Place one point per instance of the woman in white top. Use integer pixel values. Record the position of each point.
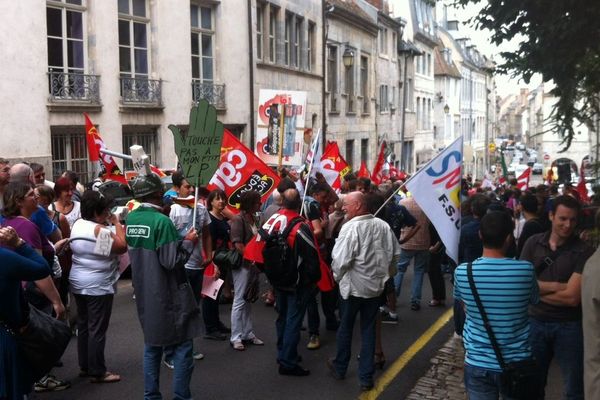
(64, 203)
(93, 281)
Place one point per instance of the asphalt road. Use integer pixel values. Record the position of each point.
(252, 374)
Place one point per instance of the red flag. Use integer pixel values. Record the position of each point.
(581, 189)
(332, 160)
(110, 169)
(363, 172)
(377, 175)
(241, 170)
(523, 179)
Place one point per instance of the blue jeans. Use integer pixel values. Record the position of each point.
(349, 309)
(565, 341)
(182, 375)
(482, 384)
(421, 259)
(291, 307)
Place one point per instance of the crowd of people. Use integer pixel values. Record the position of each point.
(529, 254)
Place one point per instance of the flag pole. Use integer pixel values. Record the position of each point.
(281, 135)
(415, 174)
(312, 162)
(195, 203)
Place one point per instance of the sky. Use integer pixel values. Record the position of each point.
(481, 38)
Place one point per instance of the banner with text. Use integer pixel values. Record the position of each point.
(239, 171)
(436, 189)
(277, 108)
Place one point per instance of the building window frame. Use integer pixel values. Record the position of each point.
(297, 42)
(132, 19)
(69, 152)
(67, 11)
(364, 83)
(332, 77)
(350, 151)
(287, 39)
(260, 27)
(273, 33)
(310, 46)
(383, 40)
(384, 99)
(202, 59)
(349, 87)
(145, 136)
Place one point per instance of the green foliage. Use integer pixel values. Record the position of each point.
(559, 39)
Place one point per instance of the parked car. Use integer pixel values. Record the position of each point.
(537, 168)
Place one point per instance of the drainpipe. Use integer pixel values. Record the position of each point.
(323, 71)
(251, 75)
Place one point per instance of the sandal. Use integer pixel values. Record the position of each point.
(108, 377)
(238, 345)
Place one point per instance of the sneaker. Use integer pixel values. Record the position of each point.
(313, 343)
(197, 356)
(49, 383)
(389, 318)
(168, 363)
(255, 341)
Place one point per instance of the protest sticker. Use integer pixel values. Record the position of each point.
(199, 151)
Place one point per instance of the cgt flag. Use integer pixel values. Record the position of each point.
(109, 168)
(436, 189)
(333, 166)
(363, 172)
(378, 174)
(239, 171)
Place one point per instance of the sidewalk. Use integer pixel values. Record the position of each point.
(444, 379)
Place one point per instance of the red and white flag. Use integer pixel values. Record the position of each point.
(363, 172)
(109, 168)
(523, 180)
(239, 171)
(581, 189)
(378, 174)
(333, 166)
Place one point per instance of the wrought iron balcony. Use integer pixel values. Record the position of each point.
(74, 87)
(141, 91)
(214, 93)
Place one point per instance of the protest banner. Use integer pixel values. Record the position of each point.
(280, 126)
(239, 171)
(199, 150)
(436, 189)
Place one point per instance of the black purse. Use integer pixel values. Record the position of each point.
(42, 342)
(227, 259)
(519, 379)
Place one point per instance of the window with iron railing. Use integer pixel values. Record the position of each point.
(69, 152)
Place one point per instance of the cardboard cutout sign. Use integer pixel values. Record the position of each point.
(199, 151)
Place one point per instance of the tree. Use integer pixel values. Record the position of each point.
(559, 39)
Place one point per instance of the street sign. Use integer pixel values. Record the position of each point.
(492, 147)
(546, 157)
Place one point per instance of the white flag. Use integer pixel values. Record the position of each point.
(436, 189)
(523, 180)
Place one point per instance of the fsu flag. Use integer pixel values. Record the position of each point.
(363, 172)
(377, 175)
(239, 171)
(109, 168)
(436, 189)
(523, 180)
(333, 166)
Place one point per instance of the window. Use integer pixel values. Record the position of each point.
(419, 120)
(383, 99)
(409, 95)
(428, 64)
(364, 83)
(393, 99)
(350, 152)
(364, 149)
(141, 135)
(332, 77)
(65, 28)
(260, 21)
(287, 39)
(350, 89)
(272, 34)
(297, 42)
(394, 43)
(407, 155)
(69, 151)
(310, 45)
(383, 44)
(202, 43)
(133, 38)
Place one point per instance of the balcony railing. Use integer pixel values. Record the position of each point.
(141, 91)
(74, 87)
(214, 93)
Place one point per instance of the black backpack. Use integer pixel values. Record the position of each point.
(280, 261)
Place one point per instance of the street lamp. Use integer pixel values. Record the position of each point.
(348, 58)
(446, 109)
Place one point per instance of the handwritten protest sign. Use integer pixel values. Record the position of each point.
(199, 151)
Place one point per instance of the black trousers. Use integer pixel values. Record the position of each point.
(210, 307)
(93, 316)
(436, 279)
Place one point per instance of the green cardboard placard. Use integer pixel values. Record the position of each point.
(199, 151)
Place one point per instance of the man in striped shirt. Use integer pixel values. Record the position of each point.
(506, 288)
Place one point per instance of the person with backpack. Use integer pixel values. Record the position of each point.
(286, 250)
(364, 258)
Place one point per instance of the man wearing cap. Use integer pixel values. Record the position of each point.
(165, 302)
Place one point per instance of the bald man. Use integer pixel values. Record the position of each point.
(364, 258)
(21, 173)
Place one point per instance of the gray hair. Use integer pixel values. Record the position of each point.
(21, 173)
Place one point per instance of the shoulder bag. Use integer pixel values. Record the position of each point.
(229, 259)
(41, 342)
(519, 379)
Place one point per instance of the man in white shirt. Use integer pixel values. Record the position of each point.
(364, 258)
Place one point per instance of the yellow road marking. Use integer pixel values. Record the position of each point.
(405, 358)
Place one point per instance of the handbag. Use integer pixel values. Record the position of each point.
(42, 342)
(252, 292)
(519, 379)
(227, 259)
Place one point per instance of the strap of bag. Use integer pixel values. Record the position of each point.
(486, 321)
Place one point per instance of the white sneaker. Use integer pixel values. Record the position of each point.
(198, 356)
